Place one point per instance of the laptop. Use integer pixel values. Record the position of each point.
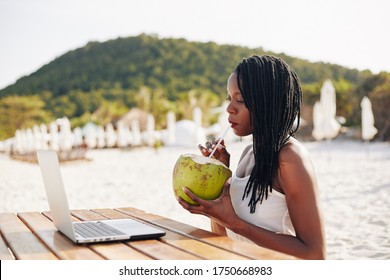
(85, 231)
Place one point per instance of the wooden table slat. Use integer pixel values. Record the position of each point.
(109, 250)
(118, 251)
(33, 236)
(5, 254)
(162, 251)
(182, 242)
(60, 245)
(239, 247)
(22, 242)
(86, 215)
(153, 248)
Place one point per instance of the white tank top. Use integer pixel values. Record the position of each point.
(271, 214)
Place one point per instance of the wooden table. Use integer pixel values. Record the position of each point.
(28, 236)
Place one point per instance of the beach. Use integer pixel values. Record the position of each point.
(353, 179)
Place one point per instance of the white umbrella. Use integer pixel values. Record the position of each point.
(135, 132)
(317, 133)
(171, 126)
(45, 136)
(65, 134)
(368, 128)
(324, 114)
(53, 128)
(111, 136)
(100, 137)
(199, 131)
(77, 140)
(90, 135)
(123, 132)
(150, 133)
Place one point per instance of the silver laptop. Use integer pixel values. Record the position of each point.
(85, 231)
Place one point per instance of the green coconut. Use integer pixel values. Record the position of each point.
(204, 176)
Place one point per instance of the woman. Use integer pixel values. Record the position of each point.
(272, 198)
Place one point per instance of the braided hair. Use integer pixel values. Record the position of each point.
(273, 96)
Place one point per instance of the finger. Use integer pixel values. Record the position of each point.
(221, 148)
(192, 208)
(201, 203)
(226, 186)
(184, 203)
(191, 195)
(203, 150)
(216, 142)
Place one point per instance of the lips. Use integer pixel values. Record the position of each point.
(233, 124)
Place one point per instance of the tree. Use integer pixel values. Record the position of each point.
(380, 99)
(204, 99)
(20, 112)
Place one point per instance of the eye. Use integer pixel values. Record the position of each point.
(228, 98)
(240, 98)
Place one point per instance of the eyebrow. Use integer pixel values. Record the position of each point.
(234, 92)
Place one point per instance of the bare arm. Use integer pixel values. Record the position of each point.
(217, 228)
(298, 182)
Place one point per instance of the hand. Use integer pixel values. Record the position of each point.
(220, 209)
(220, 154)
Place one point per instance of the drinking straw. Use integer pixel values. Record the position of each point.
(219, 141)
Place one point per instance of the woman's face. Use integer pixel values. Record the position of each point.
(239, 115)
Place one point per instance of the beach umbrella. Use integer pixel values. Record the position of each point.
(90, 135)
(199, 137)
(19, 141)
(37, 138)
(30, 140)
(45, 136)
(317, 133)
(78, 140)
(65, 135)
(123, 132)
(368, 128)
(324, 114)
(135, 132)
(24, 141)
(53, 130)
(149, 134)
(111, 136)
(171, 126)
(189, 134)
(100, 137)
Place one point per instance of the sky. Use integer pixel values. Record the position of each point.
(351, 33)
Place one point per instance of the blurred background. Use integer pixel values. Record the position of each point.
(95, 61)
(121, 88)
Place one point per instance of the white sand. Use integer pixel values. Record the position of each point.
(354, 181)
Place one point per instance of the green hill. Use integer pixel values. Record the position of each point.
(175, 65)
(100, 81)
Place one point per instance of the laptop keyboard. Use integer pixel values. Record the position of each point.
(95, 229)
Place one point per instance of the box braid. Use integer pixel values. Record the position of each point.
(273, 96)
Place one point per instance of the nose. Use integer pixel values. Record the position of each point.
(230, 109)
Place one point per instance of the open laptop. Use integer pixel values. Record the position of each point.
(85, 231)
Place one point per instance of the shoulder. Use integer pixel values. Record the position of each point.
(293, 152)
(295, 166)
